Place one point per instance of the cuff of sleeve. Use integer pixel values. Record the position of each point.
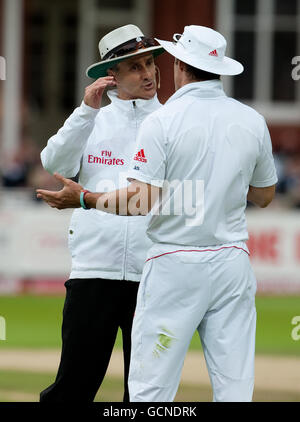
(88, 110)
(145, 179)
(264, 184)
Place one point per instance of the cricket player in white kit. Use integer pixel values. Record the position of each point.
(197, 275)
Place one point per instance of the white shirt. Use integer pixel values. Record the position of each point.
(214, 147)
(100, 144)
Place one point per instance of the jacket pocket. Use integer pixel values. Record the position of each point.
(72, 230)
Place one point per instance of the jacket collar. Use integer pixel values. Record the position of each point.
(141, 106)
(205, 89)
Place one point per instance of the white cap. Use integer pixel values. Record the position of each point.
(203, 48)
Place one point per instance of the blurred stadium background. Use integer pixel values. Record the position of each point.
(47, 47)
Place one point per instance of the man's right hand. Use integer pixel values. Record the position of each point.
(94, 92)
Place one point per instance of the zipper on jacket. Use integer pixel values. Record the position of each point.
(135, 118)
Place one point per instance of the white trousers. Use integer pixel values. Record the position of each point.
(180, 292)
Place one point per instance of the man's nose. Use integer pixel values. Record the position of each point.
(147, 73)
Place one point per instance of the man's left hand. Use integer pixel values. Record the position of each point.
(67, 197)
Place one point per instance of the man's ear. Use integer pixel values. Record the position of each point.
(182, 65)
(113, 72)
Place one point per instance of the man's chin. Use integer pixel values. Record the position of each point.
(149, 93)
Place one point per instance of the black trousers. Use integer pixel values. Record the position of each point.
(94, 309)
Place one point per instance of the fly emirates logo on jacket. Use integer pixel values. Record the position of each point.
(105, 159)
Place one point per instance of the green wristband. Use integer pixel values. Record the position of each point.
(82, 203)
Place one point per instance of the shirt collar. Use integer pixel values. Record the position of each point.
(141, 105)
(205, 89)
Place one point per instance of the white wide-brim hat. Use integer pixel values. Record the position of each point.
(203, 48)
(121, 44)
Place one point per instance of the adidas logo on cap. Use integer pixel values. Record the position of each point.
(214, 53)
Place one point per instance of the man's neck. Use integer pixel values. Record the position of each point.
(187, 81)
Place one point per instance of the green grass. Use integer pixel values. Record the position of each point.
(35, 322)
(20, 386)
(274, 327)
(27, 382)
(32, 321)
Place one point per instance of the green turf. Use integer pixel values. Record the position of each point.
(35, 321)
(274, 327)
(32, 321)
(27, 382)
(19, 386)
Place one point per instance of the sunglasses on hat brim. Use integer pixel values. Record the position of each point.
(129, 47)
(98, 70)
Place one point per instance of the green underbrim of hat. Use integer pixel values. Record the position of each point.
(99, 70)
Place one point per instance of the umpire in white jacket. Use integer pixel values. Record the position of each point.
(108, 251)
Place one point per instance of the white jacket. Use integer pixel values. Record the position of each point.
(99, 145)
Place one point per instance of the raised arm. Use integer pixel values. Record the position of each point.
(65, 149)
